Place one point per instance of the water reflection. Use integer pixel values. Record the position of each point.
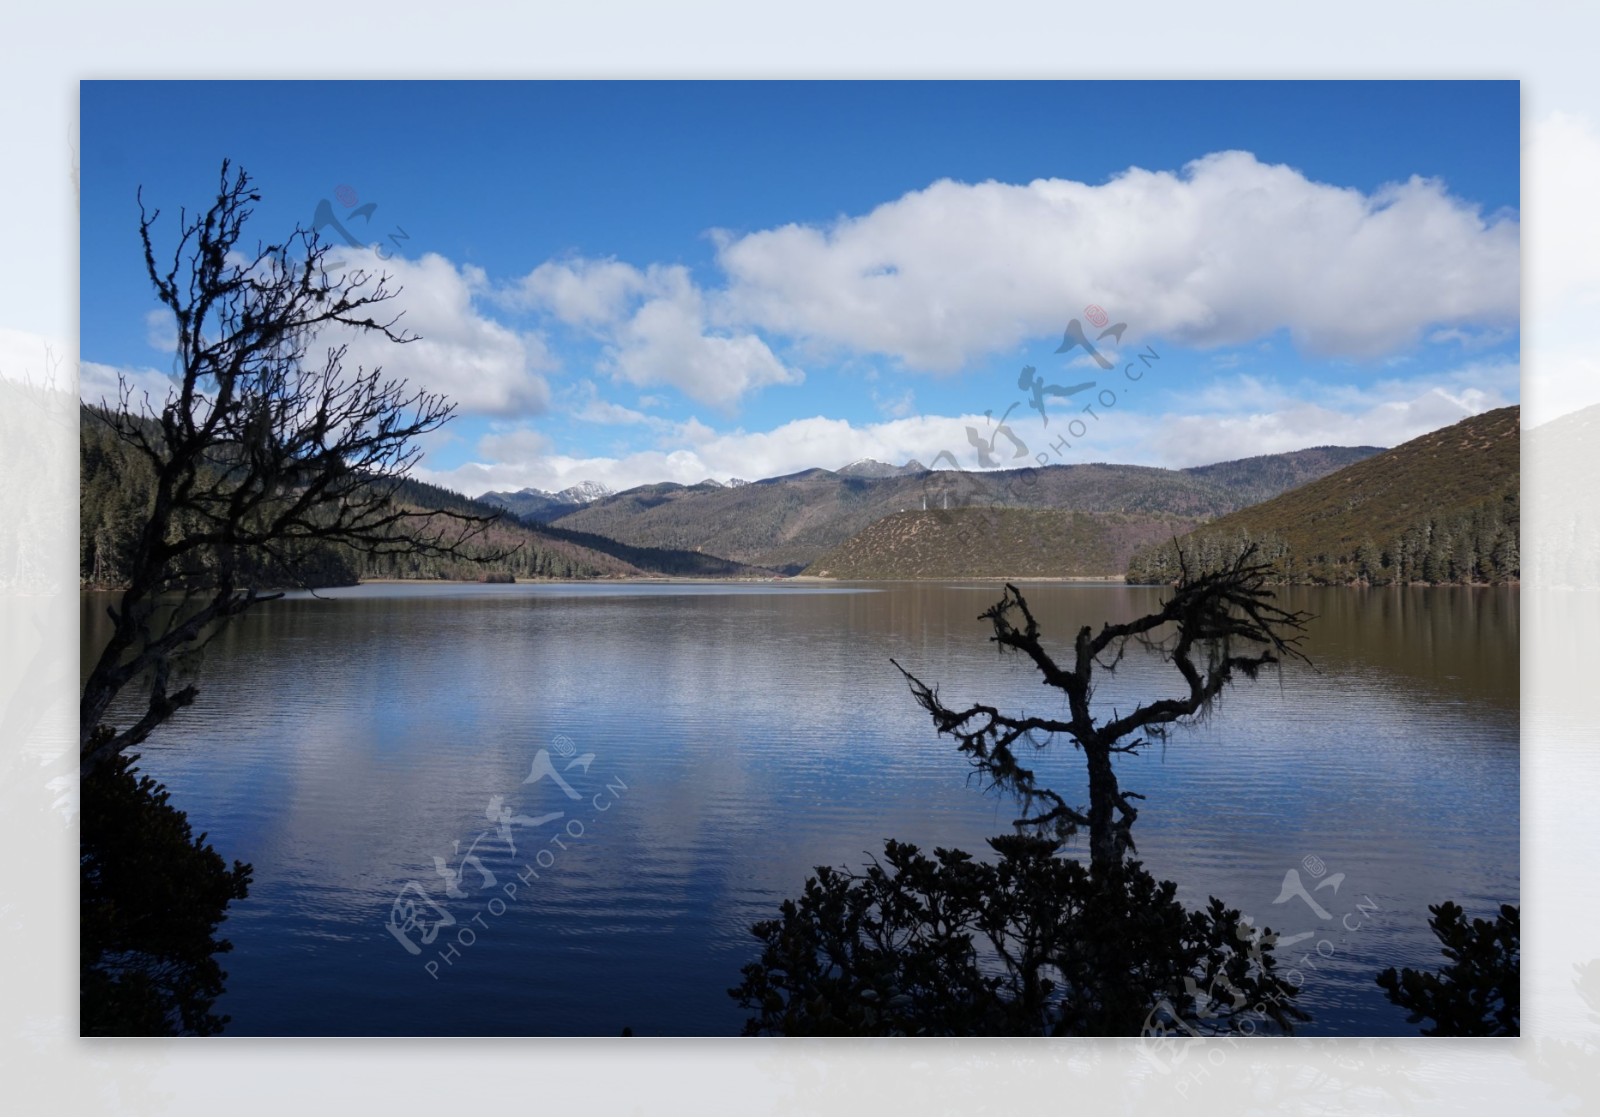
(341, 745)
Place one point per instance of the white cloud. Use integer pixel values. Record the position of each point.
(656, 329)
(697, 452)
(1247, 416)
(1225, 252)
(481, 365)
(98, 384)
(1471, 339)
(667, 342)
(897, 406)
(519, 444)
(1197, 440)
(603, 411)
(580, 292)
(160, 330)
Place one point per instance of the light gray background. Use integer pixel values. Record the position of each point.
(45, 1068)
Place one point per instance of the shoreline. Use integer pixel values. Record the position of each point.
(812, 580)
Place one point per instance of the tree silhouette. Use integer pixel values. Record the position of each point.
(1031, 944)
(1480, 992)
(1212, 626)
(260, 458)
(1034, 942)
(260, 464)
(151, 898)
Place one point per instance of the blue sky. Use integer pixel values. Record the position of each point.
(634, 282)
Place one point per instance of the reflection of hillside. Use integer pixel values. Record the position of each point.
(343, 743)
(1457, 641)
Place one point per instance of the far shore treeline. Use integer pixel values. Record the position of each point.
(1442, 508)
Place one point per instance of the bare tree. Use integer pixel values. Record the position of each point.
(1033, 943)
(1211, 627)
(261, 455)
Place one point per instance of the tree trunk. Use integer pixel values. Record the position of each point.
(1105, 851)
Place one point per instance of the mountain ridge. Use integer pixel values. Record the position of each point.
(786, 523)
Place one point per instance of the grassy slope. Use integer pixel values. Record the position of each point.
(789, 522)
(997, 543)
(1440, 474)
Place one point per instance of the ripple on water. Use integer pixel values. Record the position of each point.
(740, 736)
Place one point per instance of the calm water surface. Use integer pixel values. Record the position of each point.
(352, 746)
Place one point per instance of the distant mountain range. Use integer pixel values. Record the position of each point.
(1440, 508)
(871, 467)
(540, 507)
(787, 523)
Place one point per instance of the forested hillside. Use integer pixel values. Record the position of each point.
(115, 491)
(1442, 508)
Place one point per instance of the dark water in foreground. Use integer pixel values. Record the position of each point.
(741, 735)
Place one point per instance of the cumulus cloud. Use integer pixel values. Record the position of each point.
(481, 365)
(1228, 250)
(519, 444)
(99, 384)
(666, 341)
(485, 367)
(1223, 252)
(580, 292)
(656, 328)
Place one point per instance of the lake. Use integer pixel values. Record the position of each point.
(373, 750)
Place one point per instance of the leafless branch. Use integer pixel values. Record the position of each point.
(260, 454)
(1211, 628)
